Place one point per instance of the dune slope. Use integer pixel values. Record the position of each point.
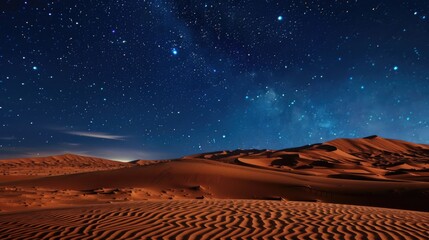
(197, 178)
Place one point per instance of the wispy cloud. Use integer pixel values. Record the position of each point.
(7, 138)
(101, 135)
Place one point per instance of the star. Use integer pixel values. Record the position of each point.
(245, 78)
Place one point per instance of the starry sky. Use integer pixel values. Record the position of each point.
(157, 79)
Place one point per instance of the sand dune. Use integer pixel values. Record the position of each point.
(198, 178)
(216, 219)
(107, 199)
(56, 165)
(375, 157)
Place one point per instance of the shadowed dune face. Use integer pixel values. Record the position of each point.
(217, 219)
(289, 160)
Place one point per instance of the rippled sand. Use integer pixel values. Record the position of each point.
(216, 219)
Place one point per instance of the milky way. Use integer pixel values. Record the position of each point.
(157, 79)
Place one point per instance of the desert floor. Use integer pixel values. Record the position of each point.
(216, 219)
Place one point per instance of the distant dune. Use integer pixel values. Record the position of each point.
(290, 185)
(367, 158)
(56, 165)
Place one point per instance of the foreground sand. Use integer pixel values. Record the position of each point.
(216, 219)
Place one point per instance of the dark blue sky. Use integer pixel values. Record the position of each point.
(157, 79)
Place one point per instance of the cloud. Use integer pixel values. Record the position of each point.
(97, 135)
(7, 138)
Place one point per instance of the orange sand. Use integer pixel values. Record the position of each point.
(109, 199)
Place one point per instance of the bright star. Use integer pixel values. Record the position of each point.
(174, 51)
(280, 18)
(395, 68)
(34, 67)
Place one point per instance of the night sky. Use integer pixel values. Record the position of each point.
(158, 79)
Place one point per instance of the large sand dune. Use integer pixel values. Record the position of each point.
(371, 171)
(191, 178)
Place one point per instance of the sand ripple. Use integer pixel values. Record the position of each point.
(216, 219)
